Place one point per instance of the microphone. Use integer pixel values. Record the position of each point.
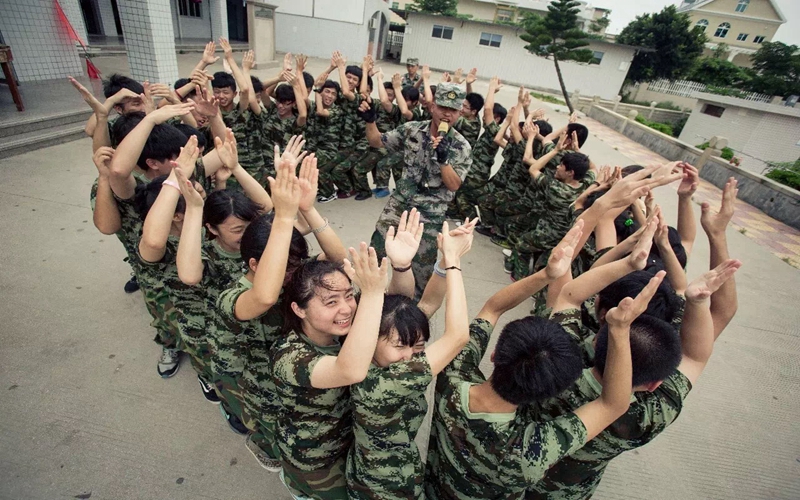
(443, 127)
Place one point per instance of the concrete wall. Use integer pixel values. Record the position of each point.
(511, 62)
(318, 37)
(641, 92)
(760, 136)
(657, 115)
(776, 200)
(39, 42)
(192, 27)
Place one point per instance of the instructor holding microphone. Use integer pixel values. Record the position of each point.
(436, 160)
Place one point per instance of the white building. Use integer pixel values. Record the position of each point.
(758, 132)
(447, 43)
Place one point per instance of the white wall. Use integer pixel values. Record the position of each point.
(349, 11)
(511, 62)
(319, 37)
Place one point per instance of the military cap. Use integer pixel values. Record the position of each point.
(449, 95)
(412, 61)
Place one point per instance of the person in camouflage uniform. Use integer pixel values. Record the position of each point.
(469, 123)
(283, 119)
(659, 389)
(483, 154)
(352, 141)
(434, 167)
(412, 78)
(389, 404)
(327, 126)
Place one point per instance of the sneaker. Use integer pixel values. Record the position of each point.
(208, 391)
(234, 423)
(132, 285)
(501, 242)
(507, 252)
(326, 199)
(484, 230)
(343, 195)
(382, 193)
(169, 362)
(263, 460)
(508, 265)
(363, 196)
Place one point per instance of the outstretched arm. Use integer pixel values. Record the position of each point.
(106, 216)
(687, 227)
(341, 63)
(488, 103)
(401, 248)
(189, 259)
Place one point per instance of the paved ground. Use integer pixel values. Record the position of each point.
(85, 414)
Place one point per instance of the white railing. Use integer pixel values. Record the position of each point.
(685, 88)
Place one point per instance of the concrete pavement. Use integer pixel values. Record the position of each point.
(86, 416)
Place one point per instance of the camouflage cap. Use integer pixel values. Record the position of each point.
(412, 61)
(449, 95)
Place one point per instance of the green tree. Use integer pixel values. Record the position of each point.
(557, 36)
(599, 25)
(443, 7)
(674, 42)
(778, 67)
(718, 72)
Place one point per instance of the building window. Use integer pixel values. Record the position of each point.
(597, 57)
(189, 8)
(503, 15)
(710, 109)
(742, 6)
(742, 37)
(490, 39)
(395, 5)
(702, 24)
(758, 39)
(444, 32)
(722, 30)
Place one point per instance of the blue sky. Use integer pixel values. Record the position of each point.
(625, 11)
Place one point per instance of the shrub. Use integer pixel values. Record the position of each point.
(669, 105)
(664, 128)
(549, 98)
(727, 153)
(787, 174)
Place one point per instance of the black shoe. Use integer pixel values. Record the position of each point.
(234, 423)
(208, 391)
(484, 230)
(363, 196)
(132, 285)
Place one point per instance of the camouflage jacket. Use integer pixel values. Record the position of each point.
(555, 212)
(578, 475)
(131, 224)
(421, 184)
(388, 409)
(483, 154)
(153, 278)
(470, 129)
(476, 456)
(409, 81)
(327, 130)
(388, 120)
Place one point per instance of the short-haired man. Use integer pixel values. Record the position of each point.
(436, 160)
(412, 77)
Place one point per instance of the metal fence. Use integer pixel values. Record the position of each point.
(685, 88)
(394, 44)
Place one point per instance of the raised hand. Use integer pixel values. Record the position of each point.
(188, 158)
(561, 257)
(457, 242)
(147, 98)
(631, 308)
(397, 80)
(309, 181)
(641, 251)
(457, 77)
(226, 47)
(227, 152)
(102, 158)
(286, 192)
(164, 113)
(715, 224)
(201, 78)
(363, 270)
(300, 61)
(163, 91)
(248, 61)
(690, 181)
(90, 99)
(287, 62)
(573, 118)
(426, 72)
(520, 96)
(208, 54)
(562, 142)
(472, 76)
(446, 77)
(531, 131)
(701, 288)
(402, 245)
(291, 155)
(538, 114)
(190, 194)
(204, 102)
(625, 191)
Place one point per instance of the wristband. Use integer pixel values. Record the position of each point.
(321, 228)
(438, 270)
(401, 269)
(171, 183)
(452, 267)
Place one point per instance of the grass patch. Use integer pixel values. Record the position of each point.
(787, 174)
(548, 98)
(664, 128)
(727, 153)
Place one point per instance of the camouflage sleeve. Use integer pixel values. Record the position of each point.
(469, 359)
(546, 443)
(394, 141)
(588, 179)
(459, 156)
(397, 382)
(666, 402)
(571, 320)
(294, 364)
(677, 321)
(93, 194)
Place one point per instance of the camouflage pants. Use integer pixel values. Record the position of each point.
(391, 164)
(320, 484)
(260, 403)
(326, 161)
(229, 390)
(370, 162)
(164, 316)
(474, 186)
(345, 176)
(492, 208)
(422, 265)
(197, 347)
(227, 368)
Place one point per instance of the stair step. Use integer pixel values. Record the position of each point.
(26, 125)
(42, 138)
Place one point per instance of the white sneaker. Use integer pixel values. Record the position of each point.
(169, 362)
(507, 252)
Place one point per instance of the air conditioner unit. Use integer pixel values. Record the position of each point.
(372, 23)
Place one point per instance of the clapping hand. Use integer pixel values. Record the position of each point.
(561, 257)
(363, 270)
(402, 246)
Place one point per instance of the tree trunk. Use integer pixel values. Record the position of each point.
(561, 82)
